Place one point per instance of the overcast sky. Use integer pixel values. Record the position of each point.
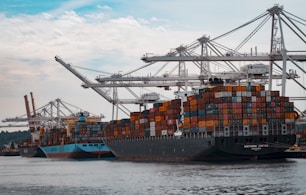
(109, 36)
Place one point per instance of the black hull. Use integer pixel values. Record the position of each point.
(200, 148)
(31, 152)
(15, 153)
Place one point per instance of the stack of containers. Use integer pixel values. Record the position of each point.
(250, 109)
(161, 120)
(227, 110)
(134, 124)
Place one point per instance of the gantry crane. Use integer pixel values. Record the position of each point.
(54, 114)
(205, 52)
(278, 51)
(118, 103)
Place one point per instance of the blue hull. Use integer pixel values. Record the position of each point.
(78, 150)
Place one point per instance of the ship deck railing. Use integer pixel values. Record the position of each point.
(216, 133)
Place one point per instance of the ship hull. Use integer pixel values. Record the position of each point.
(10, 153)
(78, 150)
(200, 148)
(31, 152)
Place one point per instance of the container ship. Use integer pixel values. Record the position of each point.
(81, 139)
(214, 123)
(76, 135)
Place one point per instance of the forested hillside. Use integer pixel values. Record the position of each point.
(16, 136)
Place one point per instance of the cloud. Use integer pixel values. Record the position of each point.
(72, 5)
(104, 7)
(94, 40)
(31, 42)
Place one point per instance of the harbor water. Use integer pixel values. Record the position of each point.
(21, 175)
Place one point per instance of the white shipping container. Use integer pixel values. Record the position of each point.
(238, 93)
(143, 120)
(164, 132)
(239, 99)
(263, 93)
(253, 98)
(152, 133)
(223, 94)
(268, 93)
(218, 94)
(152, 124)
(289, 120)
(268, 98)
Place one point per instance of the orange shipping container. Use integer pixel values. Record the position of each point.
(210, 123)
(159, 118)
(186, 125)
(137, 126)
(186, 119)
(162, 109)
(201, 123)
(292, 115)
(193, 107)
(245, 122)
(229, 88)
(193, 102)
(166, 104)
(191, 98)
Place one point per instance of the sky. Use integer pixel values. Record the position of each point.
(105, 35)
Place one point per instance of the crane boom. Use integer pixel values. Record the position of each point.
(87, 82)
(222, 58)
(33, 104)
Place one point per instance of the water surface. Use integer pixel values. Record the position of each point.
(21, 175)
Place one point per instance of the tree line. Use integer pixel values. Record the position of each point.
(17, 136)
